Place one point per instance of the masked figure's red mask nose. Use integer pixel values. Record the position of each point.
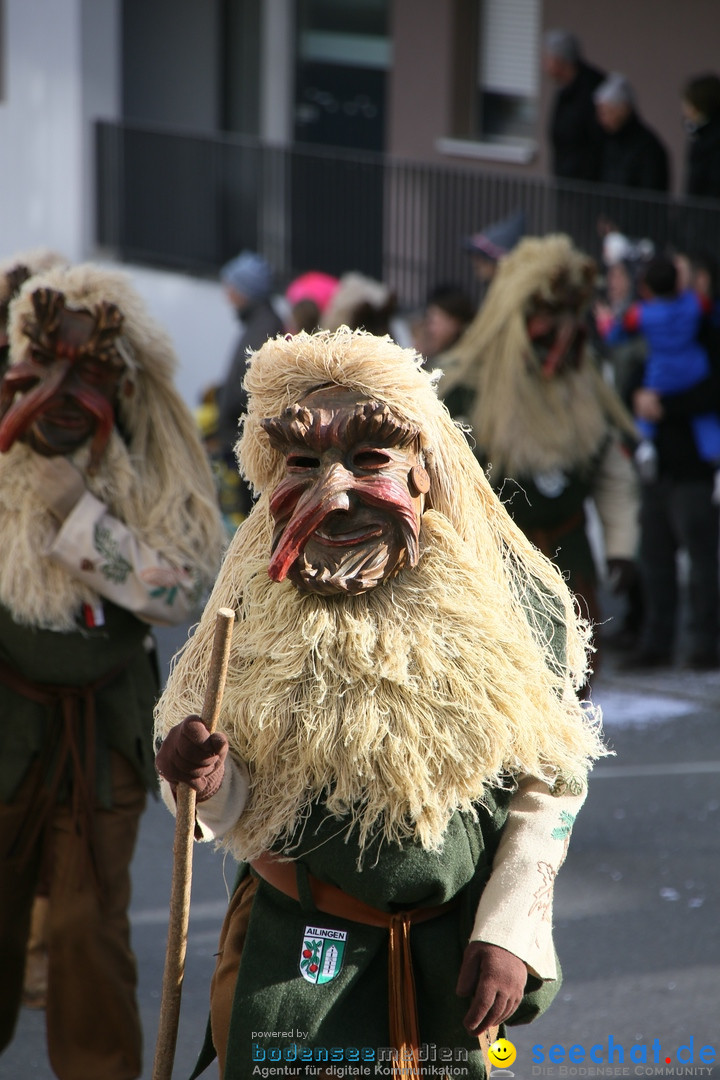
(62, 392)
(347, 512)
(558, 342)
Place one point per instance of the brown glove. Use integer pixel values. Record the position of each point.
(495, 980)
(190, 756)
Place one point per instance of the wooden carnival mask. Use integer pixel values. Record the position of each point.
(62, 393)
(347, 513)
(556, 323)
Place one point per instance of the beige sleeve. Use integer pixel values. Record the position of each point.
(103, 552)
(616, 497)
(515, 909)
(219, 813)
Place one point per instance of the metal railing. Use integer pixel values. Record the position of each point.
(190, 202)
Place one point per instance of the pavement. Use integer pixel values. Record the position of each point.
(638, 899)
(637, 910)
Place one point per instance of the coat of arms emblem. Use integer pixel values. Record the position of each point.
(321, 955)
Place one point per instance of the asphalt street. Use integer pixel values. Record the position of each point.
(637, 909)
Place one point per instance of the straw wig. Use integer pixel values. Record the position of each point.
(397, 706)
(154, 476)
(24, 264)
(524, 423)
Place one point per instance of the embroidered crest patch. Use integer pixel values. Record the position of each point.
(322, 954)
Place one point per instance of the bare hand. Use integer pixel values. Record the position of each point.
(647, 405)
(191, 756)
(495, 979)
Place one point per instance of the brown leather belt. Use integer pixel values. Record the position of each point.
(403, 1019)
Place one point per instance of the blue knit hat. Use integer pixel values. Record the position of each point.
(248, 273)
(499, 238)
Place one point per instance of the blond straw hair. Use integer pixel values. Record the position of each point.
(34, 260)
(155, 477)
(524, 423)
(395, 707)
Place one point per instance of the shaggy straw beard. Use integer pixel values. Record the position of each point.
(38, 591)
(525, 423)
(395, 707)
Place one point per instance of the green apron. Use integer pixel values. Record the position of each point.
(348, 1013)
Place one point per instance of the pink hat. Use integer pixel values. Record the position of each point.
(315, 286)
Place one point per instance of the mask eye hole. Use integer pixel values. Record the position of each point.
(39, 356)
(97, 373)
(302, 461)
(371, 459)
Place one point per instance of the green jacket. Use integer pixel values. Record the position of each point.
(350, 1012)
(123, 706)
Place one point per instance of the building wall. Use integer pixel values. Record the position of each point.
(60, 71)
(171, 63)
(99, 95)
(656, 43)
(421, 80)
(40, 129)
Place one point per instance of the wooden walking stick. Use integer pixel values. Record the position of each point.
(182, 863)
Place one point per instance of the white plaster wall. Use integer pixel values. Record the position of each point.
(61, 73)
(61, 61)
(41, 183)
(199, 320)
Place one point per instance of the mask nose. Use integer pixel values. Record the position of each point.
(329, 494)
(335, 483)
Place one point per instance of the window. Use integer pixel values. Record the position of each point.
(508, 69)
(497, 76)
(343, 56)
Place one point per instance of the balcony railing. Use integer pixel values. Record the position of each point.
(190, 202)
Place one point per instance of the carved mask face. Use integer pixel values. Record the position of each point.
(62, 393)
(557, 326)
(347, 514)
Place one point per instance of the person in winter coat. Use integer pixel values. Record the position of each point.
(248, 281)
(701, 114)
(576, 136)
(633, 155)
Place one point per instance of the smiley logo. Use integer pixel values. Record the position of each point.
(502, 1053)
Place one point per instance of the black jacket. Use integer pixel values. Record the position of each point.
(575, 135)
(703, 161)
(634, 157)
(260, 322)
